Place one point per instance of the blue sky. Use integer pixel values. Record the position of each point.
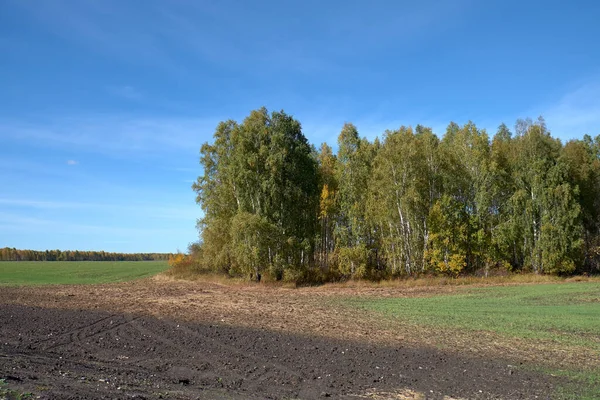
(105, 104)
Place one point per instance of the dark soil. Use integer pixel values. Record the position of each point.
(83, 354)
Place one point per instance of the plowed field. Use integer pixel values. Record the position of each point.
(167, 339)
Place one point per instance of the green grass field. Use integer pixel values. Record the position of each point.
(19, 273)
(567, 314)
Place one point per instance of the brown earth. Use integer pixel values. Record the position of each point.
(170, 339)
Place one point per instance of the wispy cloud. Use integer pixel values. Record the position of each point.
(178, 212)
(576, 113)
(126, 92)
(184, 169)
(225, 33)
(72, 162)
(19, 223)
(39, 204)
(110, 134)
(107, 28)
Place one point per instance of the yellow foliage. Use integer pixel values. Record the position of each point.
(442, 260)
(181, 265)
(176, 259)
(327, 201)
(352, 261)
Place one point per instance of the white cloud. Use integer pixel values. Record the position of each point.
(72, 162)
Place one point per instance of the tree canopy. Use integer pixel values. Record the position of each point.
(406, 204)
(12, 254)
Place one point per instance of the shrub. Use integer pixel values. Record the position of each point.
(182, 265)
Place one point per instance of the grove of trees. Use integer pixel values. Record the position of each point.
(12, 254)
(407, 204)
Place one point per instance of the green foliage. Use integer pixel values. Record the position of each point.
(407, 205)
(447, 252)
(352, 174)
(253, 241)
(259, 193)
(328, 207)
(76, 272)
(544, 213)
(352, 262)
(582, 160)
(401, 188)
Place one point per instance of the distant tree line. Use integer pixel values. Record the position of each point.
(409, 203)
(12, 254)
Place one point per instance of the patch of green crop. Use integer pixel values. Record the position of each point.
(18, 273)
(579, 385)
(10, 394)
(566, 313)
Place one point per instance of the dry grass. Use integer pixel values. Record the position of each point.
(419, 282)
(400, 394)
(169, 276)
(436, 281)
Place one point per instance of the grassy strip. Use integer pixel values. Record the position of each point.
(567, 313)
(436, 281)
(581, 385)
(76, 272)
